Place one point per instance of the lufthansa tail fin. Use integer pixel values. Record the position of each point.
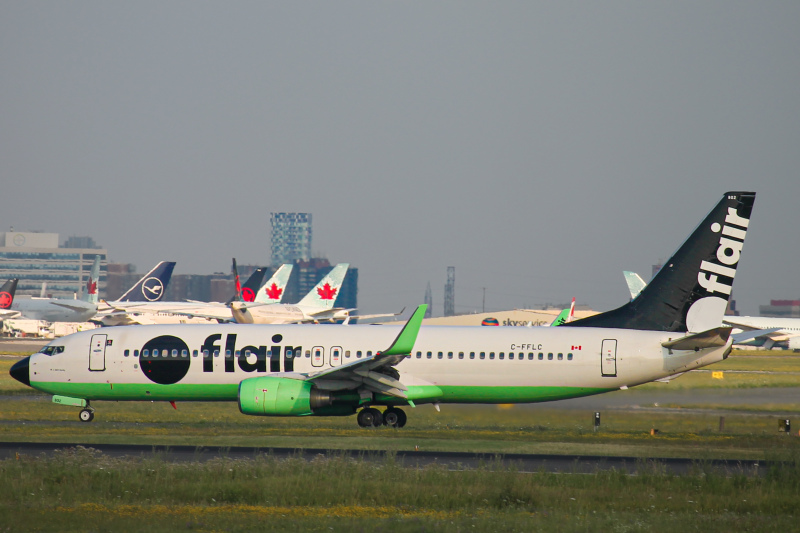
(7, 292)
(90, 295)
(325, 293)
(691, 291)
(274, 289)
(152, 286)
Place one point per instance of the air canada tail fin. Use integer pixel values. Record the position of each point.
(253, 283)
(691, 291)
(91, 284)
(325, 293)
(152, 286)
(7, 292)
(274, 289)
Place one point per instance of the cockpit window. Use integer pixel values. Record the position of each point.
(51, 350)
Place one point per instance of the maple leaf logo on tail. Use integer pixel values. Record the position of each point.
(91, 287)
(5, 300)
(274, 292)
(248, 295)
(326, 292)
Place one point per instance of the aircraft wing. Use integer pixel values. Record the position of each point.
(77, 308)
(376, 373)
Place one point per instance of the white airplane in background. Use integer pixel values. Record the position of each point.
(63, 309)
(773, 330)
(192, 312)
(316, 306)
(7, 298)
(325, 370)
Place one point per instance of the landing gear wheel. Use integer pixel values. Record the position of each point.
(369, 417)
(394, 417)
(86, 415)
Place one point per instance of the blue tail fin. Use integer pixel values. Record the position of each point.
(152, 286)
(691, 291)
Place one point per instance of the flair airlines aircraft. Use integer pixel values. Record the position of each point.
(63, 309)
(769, 329)
(327, 370)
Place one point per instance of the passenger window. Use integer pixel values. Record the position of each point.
(502, 355)
(561, 357)
(146, 353)
(530, 356)
(569, 357)
(491, 355)
(541, 356)
(369, 353)
(439, 355)
(358, 354)
(510, 356)
(194, 353)
(136, 353)
(520, 356)
(483, 355)
(308, 354)
(461, 355)
(472, 355)
(430, 354)
(216, 353)
(228, 354)
(449, 355)
(347, 353)
(126, 353)
(549, 357)
(419, 355)
(184, 353)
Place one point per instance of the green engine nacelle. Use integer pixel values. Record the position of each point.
(268, 396)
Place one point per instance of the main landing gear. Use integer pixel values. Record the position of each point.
(86, 414)
(371, 417)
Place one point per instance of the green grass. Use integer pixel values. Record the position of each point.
(81, 490)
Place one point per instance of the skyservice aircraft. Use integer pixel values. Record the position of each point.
(770, 329)
(194, 312)
(326, 370)
(63, 309)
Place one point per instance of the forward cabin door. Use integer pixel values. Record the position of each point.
(97, 353)
(608, 358)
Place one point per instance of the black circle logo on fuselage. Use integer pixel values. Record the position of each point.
(165, 359)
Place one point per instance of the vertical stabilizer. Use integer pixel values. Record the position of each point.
(90, 295)
(274, 289)
(691, 291)
(325, 293)
(635, 283)
(152, 286)
(7, 292)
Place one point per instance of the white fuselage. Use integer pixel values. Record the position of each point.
(461, 364)
(54, 309)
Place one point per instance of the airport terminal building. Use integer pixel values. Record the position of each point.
(37, 258)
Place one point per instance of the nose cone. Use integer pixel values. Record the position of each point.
(21, 371)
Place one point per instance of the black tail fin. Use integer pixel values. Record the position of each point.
(7, 293)
(691, 291)
(152, 286)
(253, 283)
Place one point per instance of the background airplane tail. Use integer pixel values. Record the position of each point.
(691, 291)
(253, 283)
(274, 289)
(7, 292)
(91, 295)
(326, 291)
(152, 286)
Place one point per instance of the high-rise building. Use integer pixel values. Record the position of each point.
(450, 292)
(35, 258)
(429, 301)
(291, 237)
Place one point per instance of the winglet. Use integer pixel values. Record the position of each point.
(404, 343)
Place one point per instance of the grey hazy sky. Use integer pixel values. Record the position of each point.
(540, 148)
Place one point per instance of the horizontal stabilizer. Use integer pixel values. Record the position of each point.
(752, 334)
(698, 341)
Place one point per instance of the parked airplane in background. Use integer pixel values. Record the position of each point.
(63, 309)
(316, 306)
(772, 330)
(247, 293)
(7, 292)
(192, 312)
(149, 289)
(298, 370)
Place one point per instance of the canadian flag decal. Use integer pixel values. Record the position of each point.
(575, 348)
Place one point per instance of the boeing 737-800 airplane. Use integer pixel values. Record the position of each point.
(298, 370)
